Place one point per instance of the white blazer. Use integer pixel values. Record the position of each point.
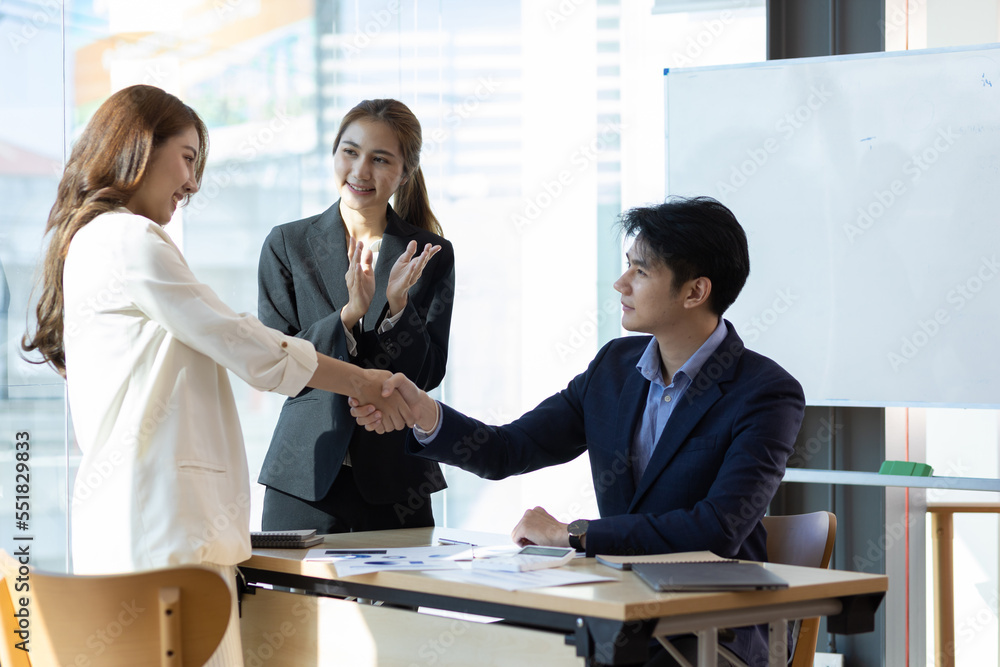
(163, 480)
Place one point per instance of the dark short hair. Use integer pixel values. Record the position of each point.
(694, 237)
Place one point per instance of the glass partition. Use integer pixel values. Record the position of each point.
(33, 498)
(540, 123)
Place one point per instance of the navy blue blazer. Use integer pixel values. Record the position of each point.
(301, 289)
(712, 474)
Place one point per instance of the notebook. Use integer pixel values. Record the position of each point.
(718, 576)
(285, 539)
(626, 562)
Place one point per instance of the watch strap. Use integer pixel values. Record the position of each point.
(577, 529)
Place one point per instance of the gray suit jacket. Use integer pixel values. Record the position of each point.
(301, 290)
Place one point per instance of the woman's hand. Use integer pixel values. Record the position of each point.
(405, 273)
(360, 279)
(368, 386)
(423, 410)
(394, 413)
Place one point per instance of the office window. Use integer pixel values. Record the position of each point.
(966, 443)
(32, 402)
(960, 442)
(537, 132)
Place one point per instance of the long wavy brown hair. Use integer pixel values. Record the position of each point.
(104, 170)
(411, 202)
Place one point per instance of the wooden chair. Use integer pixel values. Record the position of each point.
(172, 617)
(796, 539)
(9, 655)
(807, 540)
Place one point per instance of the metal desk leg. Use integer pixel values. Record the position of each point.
(608, 642)
(708, 647)
(777, 643)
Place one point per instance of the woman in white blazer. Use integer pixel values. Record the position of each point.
(144, 347)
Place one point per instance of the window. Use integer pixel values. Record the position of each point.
(959, 442)
(537, 124)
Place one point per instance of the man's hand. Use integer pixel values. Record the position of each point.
(394, 413)
(423, 409)
(539, 527)
(405, 273)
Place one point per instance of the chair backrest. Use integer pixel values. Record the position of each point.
(10, 654)
(801, 539)
(171, 617)
(807, 540)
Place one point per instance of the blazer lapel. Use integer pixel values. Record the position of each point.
(631, 404)
(327, 241)
(696, 401)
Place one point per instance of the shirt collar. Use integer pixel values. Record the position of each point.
(649, 363)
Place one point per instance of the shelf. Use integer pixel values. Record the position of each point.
(849, 477)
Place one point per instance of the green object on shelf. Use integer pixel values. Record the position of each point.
(896, 468)
(908, 468)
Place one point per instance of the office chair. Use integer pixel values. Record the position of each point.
(807, 540)
(796, 539)
(174, 617)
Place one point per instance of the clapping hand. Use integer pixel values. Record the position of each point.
(360, 279)
(405, 273)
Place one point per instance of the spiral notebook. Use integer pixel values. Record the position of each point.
(284, 539)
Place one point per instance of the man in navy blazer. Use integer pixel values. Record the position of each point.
(687, 431)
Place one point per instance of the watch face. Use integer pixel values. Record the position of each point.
(578, 527)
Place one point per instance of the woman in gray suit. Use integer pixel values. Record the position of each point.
(350, 281)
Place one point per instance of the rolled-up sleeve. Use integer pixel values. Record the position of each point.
(300, 365)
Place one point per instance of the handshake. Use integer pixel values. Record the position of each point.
(387, 402)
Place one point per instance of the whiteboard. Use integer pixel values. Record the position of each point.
(869, 187)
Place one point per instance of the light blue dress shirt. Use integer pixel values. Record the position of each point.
(661, 399)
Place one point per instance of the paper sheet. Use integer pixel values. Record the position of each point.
(455, 558)
(512, 581)
(362, 561)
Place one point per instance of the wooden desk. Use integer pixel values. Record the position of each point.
(610, 623)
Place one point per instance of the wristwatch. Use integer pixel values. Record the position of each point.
(577, 530)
